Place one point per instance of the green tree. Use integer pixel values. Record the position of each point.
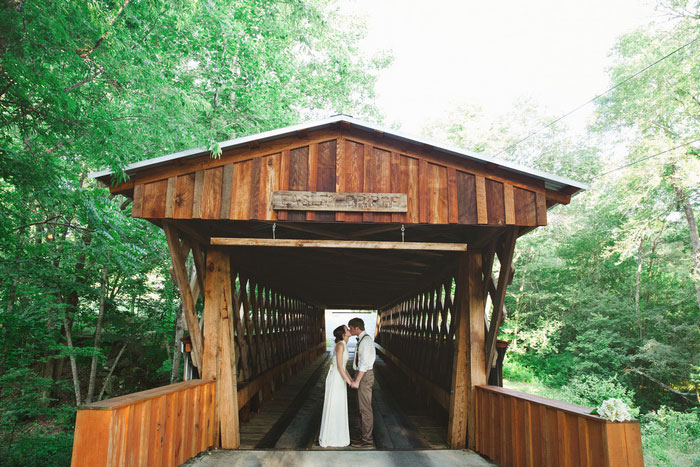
(87, 308)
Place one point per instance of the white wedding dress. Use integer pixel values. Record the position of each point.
(335, 431)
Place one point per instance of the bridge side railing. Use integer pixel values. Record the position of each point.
(518, 429)
(163, 426)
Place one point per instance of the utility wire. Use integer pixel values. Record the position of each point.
(645, 158)
(617, 85)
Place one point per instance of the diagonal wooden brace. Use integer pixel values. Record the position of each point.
(177, 256)
(498, 298)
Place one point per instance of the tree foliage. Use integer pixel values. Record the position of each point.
(91, 84)
(605, 301)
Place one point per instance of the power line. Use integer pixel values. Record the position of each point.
(646, 158)
(617, 85)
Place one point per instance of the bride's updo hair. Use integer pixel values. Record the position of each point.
(338, 333)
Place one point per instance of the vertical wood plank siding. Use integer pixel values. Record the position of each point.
(518, 429)
(184, 192)
(438, 193)
(354, 173)
(325, 174)
(163, 426)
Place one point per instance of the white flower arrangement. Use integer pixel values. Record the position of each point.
(614, 410)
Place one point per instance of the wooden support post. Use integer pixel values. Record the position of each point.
(468, 364)
(219, 359)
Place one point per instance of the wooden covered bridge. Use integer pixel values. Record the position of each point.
(342, 214)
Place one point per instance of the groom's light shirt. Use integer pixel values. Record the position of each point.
(366, 353)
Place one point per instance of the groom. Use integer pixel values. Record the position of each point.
(365, 355)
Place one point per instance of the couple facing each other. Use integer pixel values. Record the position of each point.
(335, 430)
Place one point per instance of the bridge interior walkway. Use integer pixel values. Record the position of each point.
(291, 419)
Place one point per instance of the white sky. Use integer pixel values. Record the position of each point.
(492, 53)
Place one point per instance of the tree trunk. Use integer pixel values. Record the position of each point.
(179, 332)
(694, 237)
(98, 333)
(71, 307)
(12, 296)
(73, 364)
(637, 287)
(654, 244)
(111, 370)
(516, 310)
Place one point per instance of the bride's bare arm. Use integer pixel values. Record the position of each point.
(339, 350)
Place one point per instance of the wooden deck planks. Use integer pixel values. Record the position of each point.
(253, 432)
(291, 419)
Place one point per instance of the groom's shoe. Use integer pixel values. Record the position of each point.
(362, 444)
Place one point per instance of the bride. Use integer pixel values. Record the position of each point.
(334, 422)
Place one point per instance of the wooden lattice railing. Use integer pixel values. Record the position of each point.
(418, 335)
(270, 328)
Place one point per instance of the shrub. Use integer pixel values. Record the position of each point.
(671, 438)
(591, 390)
(46, 451)
(515, 371)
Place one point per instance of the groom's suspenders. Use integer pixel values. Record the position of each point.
(357, 351)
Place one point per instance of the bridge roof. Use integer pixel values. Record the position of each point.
(552, 182)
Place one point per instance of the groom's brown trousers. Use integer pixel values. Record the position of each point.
(364, 397)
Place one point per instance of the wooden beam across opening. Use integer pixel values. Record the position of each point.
(348, 244)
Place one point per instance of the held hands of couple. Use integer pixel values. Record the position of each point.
(354, 385)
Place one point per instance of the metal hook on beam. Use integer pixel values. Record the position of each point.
(274, 227)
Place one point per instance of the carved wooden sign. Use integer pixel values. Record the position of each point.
(329, 201)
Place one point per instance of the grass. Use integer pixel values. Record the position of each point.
(536, 389)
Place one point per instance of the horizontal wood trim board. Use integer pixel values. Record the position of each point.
(441, 396)
(359, 245)
(559, 405)
(129, 399)
(330, 201)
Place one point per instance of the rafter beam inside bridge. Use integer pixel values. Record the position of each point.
(361, 245)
